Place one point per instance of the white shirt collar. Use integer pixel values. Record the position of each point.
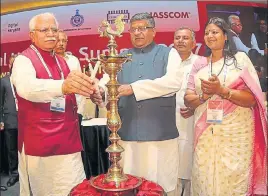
(234, 33)
(189, 58)
(191, 55)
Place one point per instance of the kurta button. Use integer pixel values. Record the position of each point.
(141, 63)
(139, 106)
(140, 76)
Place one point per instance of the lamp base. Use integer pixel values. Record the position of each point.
(131, 184)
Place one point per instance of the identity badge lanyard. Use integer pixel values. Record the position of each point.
(215, 107)
(224, 71)
(45, 65)
(57, 104)
(14, 95)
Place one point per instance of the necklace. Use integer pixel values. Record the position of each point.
(223, 66)
(211, 66)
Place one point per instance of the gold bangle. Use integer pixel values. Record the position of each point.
(230, 93)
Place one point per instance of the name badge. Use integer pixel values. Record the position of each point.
(58, 104)
(215, 111)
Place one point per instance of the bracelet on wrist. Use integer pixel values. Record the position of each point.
(201, 98)
(228, 95)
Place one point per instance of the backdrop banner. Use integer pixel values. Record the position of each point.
(81, 21)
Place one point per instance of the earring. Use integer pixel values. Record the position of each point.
(226, 45)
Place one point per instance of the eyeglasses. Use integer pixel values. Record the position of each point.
(46, 30)
(238, 25)
(139, 29)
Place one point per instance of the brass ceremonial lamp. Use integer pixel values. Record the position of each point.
(112, 64)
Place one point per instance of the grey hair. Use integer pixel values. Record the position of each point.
(61, 31)
(186, 28)
(32, 22)
(144, 16)
(231, 18)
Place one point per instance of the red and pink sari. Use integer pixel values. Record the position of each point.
(230, 158)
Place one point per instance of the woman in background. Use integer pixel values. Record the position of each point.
(230, 122)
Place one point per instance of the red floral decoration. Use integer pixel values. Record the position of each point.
(147, 188)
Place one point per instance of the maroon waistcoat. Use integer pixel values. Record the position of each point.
(43, 132)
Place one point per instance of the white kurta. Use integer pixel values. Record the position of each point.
(74, 64)
(49, 176)
(155, 160)
(185, 126)
(44, 176)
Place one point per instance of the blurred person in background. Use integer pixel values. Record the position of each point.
(9, 123)
(257, 61)
(262, 34)
(234, 33)
(263, 81)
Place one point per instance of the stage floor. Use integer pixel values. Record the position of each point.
(11, 191)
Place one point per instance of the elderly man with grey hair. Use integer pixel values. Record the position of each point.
(235, 41)
(147, 106)
(49, 142)
(184, 43)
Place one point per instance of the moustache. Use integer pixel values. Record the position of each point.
(51, 39)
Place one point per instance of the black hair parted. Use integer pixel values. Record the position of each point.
(228, 52)
(219, 22)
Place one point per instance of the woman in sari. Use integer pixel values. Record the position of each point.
(230, 145)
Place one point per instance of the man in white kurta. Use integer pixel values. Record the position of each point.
(148, 156)
(53, 173)
(73, 63)
(184, 42)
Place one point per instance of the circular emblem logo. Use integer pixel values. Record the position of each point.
(77, 20)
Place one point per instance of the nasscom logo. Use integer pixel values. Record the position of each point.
(171, 14)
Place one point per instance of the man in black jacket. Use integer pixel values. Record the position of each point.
(9, 124)
(262, 34)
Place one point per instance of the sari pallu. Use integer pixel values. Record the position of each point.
(213, 163)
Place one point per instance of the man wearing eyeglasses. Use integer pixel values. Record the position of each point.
(234, 32)
(147, 106)
(235, 41)
(49, 142)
